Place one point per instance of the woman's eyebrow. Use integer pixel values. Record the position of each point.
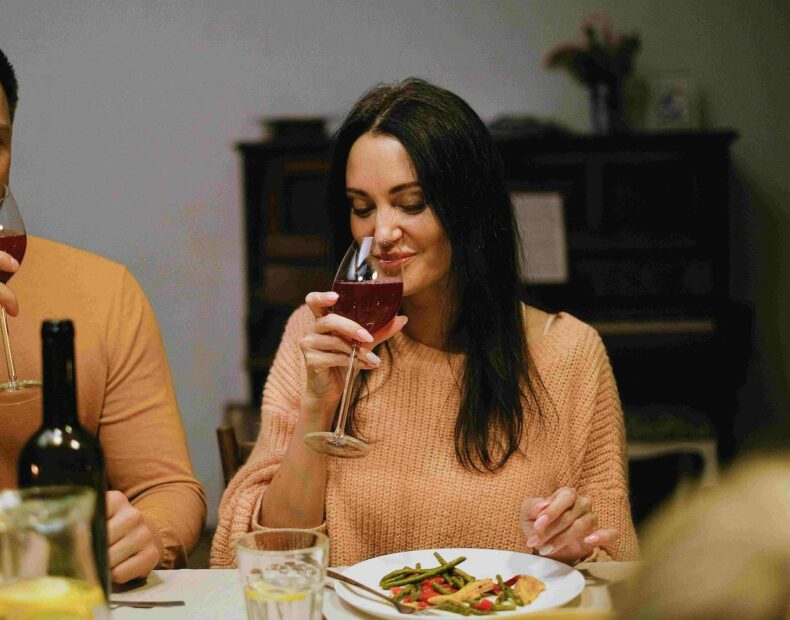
(394, 190)
(400, 188)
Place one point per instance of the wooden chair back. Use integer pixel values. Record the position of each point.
(236, 437)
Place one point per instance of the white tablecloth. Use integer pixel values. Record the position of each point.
(213, 594)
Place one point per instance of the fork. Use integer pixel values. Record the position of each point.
(404, 609)
(115, 603)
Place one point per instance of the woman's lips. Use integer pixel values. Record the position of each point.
(401, 261)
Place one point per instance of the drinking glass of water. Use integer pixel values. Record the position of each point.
(282, 573)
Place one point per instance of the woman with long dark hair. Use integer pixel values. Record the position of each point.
(493, 424)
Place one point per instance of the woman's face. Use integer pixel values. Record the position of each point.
(387, 202)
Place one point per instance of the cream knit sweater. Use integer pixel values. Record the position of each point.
(410, 492)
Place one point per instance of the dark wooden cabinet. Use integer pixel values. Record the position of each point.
(647, 221)
(285, 224)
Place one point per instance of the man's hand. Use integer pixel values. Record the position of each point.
(132, 550)
(7, 297)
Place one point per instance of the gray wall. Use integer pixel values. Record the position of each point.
(129, 111)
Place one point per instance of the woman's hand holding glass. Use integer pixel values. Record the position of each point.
(327, 346)
(563, 526)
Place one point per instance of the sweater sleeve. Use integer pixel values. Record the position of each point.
(241, 502)
(141, 433)
(604, 467)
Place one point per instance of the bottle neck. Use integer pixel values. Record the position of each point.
(60, 389)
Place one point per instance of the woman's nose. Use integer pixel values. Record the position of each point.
(388, 226)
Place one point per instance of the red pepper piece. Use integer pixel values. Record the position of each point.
(484, 605)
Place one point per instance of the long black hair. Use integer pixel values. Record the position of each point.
(460, 172)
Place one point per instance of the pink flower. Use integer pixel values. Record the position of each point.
(599, 22)
(596, 53)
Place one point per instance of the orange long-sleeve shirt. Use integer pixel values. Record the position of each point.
(410, 492)
(125, 392)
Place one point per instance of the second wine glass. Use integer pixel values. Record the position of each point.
(369, 284)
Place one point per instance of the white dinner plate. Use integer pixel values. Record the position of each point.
(563, 583)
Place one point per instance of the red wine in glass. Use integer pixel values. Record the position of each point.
(369, 284)
(370, 303)
(15, 244)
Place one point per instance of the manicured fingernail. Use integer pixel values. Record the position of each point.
(364, 336)
(331, 296)
(592, 539)
(373, 358)
(543, 504)
(533, 541)
(15, 263)
(541, 522)
(546, 549)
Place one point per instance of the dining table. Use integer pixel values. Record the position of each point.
(216, 593)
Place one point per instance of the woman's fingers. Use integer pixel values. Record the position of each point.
(562, 500)
(602, 537)
(581, 506)
(390, 329)
(340, 325)
(320, 302)
(572, 535)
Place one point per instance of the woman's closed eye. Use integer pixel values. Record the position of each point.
(413, 208)
(360, 208)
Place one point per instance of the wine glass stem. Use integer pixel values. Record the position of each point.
(350, 373)
(7, 346)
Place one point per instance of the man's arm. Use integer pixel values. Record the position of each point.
(141, 433)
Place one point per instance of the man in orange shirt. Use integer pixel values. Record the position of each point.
(155, 508)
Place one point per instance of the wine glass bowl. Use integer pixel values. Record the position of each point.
(369, 284)
(13, 240)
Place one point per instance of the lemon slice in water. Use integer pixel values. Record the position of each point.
(261, 591)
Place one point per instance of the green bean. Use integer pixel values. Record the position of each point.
(396, 598)
(426, 574)
(503, 607)
(456, 608)
(442, 561)
(508, 592)
(396, 573)
(441, 589)
(465, 576)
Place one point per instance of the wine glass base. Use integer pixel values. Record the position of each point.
(21, 391)
(330, 444)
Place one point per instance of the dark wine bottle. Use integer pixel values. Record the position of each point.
(62, 451)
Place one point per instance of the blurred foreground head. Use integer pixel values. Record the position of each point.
(725, 554)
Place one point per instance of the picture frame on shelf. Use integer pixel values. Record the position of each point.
(673, 102)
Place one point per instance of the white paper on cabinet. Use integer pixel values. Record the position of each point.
(541, 229)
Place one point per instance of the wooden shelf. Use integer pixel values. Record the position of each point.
(652, 327)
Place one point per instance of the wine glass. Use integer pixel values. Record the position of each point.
(369, 284)
(13, 240)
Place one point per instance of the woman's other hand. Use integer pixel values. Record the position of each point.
(327, 346)
(132, 551)
(563, 526)
(7, 297)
